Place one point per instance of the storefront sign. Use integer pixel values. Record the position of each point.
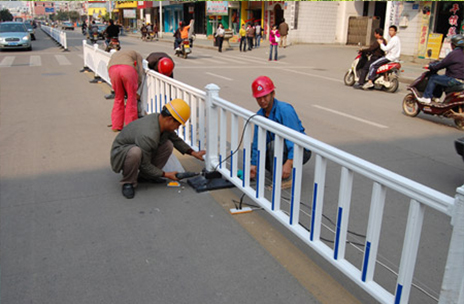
(129, 13)
(126, 4)
(434, 46)
(424, 28)
(217, 8)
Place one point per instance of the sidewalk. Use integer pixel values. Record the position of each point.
(411, 67)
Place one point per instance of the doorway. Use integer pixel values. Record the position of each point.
(278, 15)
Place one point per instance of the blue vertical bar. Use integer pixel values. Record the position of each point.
(366, 261)
(199, 145)
(220, 161)
(156, 103)
(243, 168)
(231, 162)
(257, 175)
(399, 291)
(337, 235)
(313, 213)
(293, 197)
(191, 134)
(273, 182)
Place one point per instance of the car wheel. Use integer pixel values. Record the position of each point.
(29, 48)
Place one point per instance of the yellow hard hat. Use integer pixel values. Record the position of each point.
(179, 109)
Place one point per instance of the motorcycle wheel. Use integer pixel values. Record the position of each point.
(395, 84)
(410, 107)
(349, 78)
(185, 55)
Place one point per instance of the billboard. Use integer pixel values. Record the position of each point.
(217, 8)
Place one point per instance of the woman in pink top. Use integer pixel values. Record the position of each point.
(273, 42)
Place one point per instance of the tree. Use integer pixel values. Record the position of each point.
(5, 15)
(74, 16)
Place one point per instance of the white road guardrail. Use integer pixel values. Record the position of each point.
(57, 35)
(216, 126)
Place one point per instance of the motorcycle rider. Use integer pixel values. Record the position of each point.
(93, 29)
(84, 28)
(392, 50)
(112, 31)
(376, 52)
(454, 64)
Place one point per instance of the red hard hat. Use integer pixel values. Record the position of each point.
(165, 66)
(262, 86)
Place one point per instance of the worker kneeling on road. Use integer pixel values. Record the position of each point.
(161, 63)
(143, 147)
(281, 112)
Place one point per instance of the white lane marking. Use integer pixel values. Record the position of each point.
(313, 75)
(243, 58)
(62, 60)
(233, 60)
(219, 76)
(35, 61)
(352, 117)
(212, 60)
(7, 61)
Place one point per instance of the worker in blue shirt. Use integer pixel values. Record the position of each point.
(281, 112)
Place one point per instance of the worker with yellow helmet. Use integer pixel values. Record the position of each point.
(144, 146)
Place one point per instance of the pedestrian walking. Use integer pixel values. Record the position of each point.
(243, 38)
(143, 148)
(274, 37)
(283, 31)
(250, 36)
(258, 30)
(220, 36)
(126, 73)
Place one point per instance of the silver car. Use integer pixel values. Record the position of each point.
(14, 35)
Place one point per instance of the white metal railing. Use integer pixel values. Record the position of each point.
(57, 35)
(216, 125)
(96, 60)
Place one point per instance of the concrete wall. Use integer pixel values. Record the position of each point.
(317, 22)
(409, 28)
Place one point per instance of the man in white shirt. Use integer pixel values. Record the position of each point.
(392, 51)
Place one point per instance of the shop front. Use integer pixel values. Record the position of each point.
(172, 16)
(128, 14)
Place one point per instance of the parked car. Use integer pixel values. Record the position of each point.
(30, 29)
(67, 26)
(459, 145)
(14, 35)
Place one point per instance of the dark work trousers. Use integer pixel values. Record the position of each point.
(133, 160)
(270, 155)
(365, 69)
(250, 43)
(243, 41)
(375, 66)
(220, 40)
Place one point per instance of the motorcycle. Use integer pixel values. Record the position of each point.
(386, 76)
(93, 37)
(452, 105)
(184, 49)
(113, 44)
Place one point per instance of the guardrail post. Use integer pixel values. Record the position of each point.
(211, 160)
(452, 288)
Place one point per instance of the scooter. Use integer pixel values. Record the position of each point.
(452, 105)
(113, 44)
(184, 49)
(386, 77)
(93, 37)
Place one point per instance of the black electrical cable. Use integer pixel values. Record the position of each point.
(240, 142)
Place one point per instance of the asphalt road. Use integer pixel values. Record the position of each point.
(369, 125)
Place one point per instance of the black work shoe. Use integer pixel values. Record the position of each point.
(128, 191)
(155, 180)
(357, 86)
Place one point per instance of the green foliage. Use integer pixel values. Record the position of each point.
(5, 15)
